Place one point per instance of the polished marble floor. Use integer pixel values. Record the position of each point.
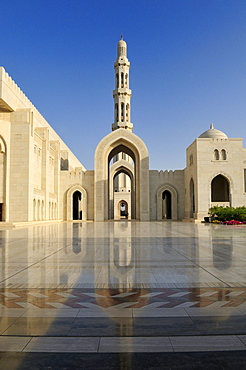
(122, 287)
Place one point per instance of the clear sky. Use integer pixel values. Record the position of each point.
(188, 68)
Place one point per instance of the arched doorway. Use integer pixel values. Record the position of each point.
(77, 211)
(76, 204)
(123, 209)
(121, 141)
(192, 198)
(166, 205)
(122, 188)
(220, 189)
(121, 184)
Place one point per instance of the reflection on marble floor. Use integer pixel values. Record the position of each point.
(123, 255)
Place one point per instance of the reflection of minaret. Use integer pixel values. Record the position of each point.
(122, 93)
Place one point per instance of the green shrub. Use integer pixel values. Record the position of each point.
(229, 213)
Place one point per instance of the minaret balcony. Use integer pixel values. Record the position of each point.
(125, 125)
(122, 91)
(121, 62)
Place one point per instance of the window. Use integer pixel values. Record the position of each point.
(122, 112)
(127, 112)
(126, 80)
(223, 154)
(116, 113)
(122, 80)
(216, 154)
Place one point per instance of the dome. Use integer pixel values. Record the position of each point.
(122, 43)
(212, 133)
(121, 48)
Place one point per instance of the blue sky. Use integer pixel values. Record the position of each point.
(188, 68)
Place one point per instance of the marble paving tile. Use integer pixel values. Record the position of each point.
(40, 326)
(85, 312)
(47, 344)
(159, 312)
(207, 343)
(40, 312)
(6, 322)
(135, 344)
(210, 311)
(12, 312)
(13, 344)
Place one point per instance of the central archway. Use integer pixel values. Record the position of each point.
(121, 141)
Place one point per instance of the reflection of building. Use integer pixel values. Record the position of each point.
(41, 179)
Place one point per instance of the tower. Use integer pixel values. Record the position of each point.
(122, 93)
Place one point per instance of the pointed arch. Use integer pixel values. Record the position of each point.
(70, 192)
(121, 140)
(220, 189)
(229, 180)
(174, 201)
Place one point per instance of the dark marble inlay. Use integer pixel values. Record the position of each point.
(127, 361)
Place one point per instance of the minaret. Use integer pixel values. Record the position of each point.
(122, 93)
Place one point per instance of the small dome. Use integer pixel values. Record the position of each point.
(121, 47)
(212, 133)
(122, 43)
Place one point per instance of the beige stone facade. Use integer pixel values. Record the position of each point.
(42, 180)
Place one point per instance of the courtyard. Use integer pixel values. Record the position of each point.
(121, 288)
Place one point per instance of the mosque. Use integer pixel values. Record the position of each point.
(42, 180)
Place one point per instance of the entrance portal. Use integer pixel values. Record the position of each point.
(137, 168)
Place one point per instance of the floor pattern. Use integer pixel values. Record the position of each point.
(134, 298)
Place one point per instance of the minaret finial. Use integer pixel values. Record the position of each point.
(121, 37)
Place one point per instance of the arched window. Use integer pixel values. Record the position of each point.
(122, 112)
(216, 154)
(117, 80)
(127, 112)
(223, 154)
(116, 112)
(122, 80)
(126, 80)
(220, 189)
